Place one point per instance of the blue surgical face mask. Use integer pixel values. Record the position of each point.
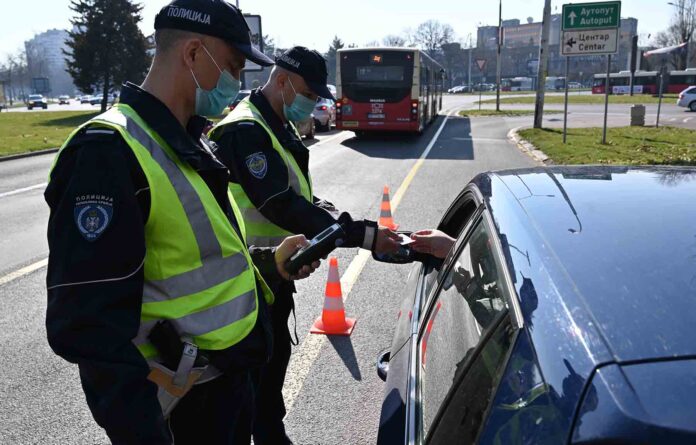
(211, 103)
(300, 108)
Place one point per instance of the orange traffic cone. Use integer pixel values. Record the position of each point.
(333, 319)
(385, 215)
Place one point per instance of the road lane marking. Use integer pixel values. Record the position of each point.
(23, 271)
(307, 353)
(25, 189)
(329, 139)
(687, 119)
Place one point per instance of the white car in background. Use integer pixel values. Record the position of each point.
(687, 98)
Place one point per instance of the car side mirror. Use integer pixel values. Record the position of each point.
(404, 255)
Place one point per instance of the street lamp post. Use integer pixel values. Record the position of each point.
(542, 69)
(498, 59)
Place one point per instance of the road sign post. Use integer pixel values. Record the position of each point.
(481, 64)
(565, 106)
(592, 29)
(607, 83)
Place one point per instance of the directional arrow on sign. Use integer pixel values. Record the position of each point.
(572, 16)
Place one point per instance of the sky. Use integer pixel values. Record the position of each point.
(313, 23)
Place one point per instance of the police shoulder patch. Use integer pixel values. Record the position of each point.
(257, 165)
(93, 214)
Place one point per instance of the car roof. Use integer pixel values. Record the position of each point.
(610, 253)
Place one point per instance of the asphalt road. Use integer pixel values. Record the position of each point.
(72, 106)
(332, 389)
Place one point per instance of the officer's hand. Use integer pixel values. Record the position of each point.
(285, 250)
(388, 241)
(433, 242)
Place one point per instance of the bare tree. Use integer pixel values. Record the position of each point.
(372, 44)
(681, 30)
(16, 73)
(431, 35)
(394, 40)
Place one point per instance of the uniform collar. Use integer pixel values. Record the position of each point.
(284, 134)
(189, 144)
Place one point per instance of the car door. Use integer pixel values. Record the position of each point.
(422, 281)
(463, 340)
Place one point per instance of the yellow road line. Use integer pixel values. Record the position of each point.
(306, 354)
(23, 271)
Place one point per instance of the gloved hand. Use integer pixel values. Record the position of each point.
(387, 241)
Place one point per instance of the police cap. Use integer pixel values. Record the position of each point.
(308, 64)
(215, 18)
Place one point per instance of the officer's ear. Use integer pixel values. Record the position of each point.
(281, 78)
(190, 49)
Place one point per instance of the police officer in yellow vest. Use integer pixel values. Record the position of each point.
(144, 238)
(270, 180)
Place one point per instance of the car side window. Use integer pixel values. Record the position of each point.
(462, 417)
(471, 298)
(454, 224)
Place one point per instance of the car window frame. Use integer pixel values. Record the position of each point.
(481, 215)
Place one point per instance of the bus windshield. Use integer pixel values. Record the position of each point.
(372, 74)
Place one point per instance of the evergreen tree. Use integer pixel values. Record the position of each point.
(106, 45)
(336, 44)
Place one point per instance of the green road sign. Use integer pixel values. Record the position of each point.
(599, 15)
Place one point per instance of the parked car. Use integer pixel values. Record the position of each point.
(306, 127)
(324, 114)
(36, 101)
(459, 89)
(95, 100)
(64, 100)
(687, 99)
(574, 85)
(85, 99)
(241, 95)
(564, 313)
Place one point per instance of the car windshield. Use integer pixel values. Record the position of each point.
(35, 97)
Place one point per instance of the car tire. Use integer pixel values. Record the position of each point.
(692, 106)
(45, 107)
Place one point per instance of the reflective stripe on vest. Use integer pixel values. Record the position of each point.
(260, 231)
(212, 296)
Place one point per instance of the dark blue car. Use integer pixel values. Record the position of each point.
(564, 314)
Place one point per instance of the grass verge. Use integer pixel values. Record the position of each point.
(625, 145)
(590, 99)
(31, 131)
(502, 113)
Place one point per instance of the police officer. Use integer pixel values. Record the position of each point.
(269, 178)
(142, 230)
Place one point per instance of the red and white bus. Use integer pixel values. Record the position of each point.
(386, 89)
(645, 82)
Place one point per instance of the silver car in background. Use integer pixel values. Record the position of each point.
(687, 99)
(324, 114)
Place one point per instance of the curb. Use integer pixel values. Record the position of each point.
(29, 154)
(527, 147)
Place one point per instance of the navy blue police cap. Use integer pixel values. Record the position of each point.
(308, 64)
(215, 18)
